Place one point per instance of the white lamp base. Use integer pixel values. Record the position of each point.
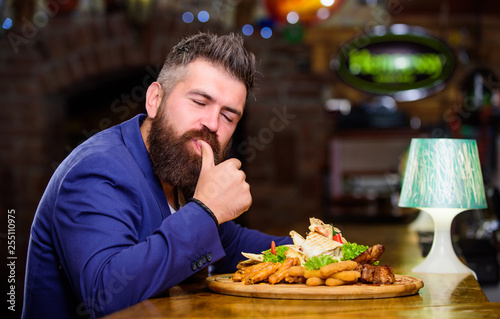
(423, 223)
(442, 258)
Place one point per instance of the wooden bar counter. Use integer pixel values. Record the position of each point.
(443, 295)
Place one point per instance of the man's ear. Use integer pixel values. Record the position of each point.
(154, 97)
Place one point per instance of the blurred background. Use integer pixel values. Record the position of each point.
(343, 87)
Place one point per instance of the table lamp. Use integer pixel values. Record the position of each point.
(443, 178)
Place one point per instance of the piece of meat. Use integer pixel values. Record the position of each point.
(376, 274)
(384, 275)
(367, 271)
(370, 255)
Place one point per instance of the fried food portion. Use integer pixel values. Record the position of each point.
(295, 279)
(376, 274)
(360, 269)
(328, 270)
(385, 275)
(313, 273)
(290, 271)
(261, 274)
(317, 277)
(282, 271)
(315, 281)
(296, 271)
(347, 276)
(332, 282)
(237, 276)
(335, 279)
(267, 271)
(370, 255)
(241, 273)
(247, 263)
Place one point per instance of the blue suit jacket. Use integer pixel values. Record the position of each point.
(103, 237)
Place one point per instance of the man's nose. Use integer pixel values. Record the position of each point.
(211, 119)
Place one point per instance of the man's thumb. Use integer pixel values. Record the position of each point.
(207, 155)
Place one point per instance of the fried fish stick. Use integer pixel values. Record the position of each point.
(334, 282)
(296, 271)
(315, 281)
(313, 273)
(330, 269)
(282, 271)
(347, 275)
(262, 274)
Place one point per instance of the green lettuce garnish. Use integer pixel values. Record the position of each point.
(316, 262)
(278, 258)
(352, 250)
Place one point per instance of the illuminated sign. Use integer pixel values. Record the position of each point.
(401, 61)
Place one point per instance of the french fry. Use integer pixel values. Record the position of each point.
(246, 263)
(237, 276)
(262, 274)
(328, 270)
(282, 271)
(334, 282)
(347, 275)
(254, 269)
(315, 281)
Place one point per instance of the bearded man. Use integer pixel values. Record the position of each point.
(140, 207)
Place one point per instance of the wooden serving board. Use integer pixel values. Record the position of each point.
(403, 286)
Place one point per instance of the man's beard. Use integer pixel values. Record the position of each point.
(173, 160)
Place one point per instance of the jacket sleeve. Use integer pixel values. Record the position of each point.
(237, 239)
(98, 231)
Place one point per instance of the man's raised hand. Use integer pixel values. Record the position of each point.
(222, 187)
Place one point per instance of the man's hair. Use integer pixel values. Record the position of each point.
(226, 51)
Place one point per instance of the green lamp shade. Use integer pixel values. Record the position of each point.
(443, 173)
